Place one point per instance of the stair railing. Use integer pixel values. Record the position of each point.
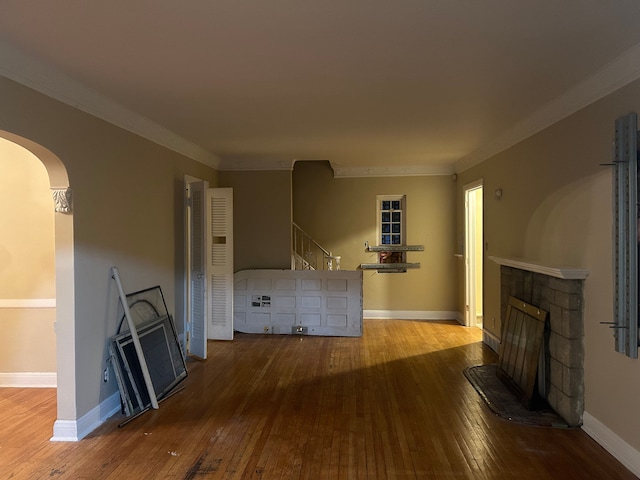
(308, 254)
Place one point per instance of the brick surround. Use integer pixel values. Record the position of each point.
(561, 367)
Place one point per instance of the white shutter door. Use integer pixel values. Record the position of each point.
(198, 339)
(220, 263)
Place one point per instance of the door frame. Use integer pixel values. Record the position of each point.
(188, 180)
(473, 244)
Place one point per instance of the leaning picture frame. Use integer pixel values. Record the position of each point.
(164, 358)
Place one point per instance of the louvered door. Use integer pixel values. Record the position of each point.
(220, 263)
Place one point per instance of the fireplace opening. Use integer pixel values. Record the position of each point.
(560, 362)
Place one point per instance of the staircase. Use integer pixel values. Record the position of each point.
(308, 254)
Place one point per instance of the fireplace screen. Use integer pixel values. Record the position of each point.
(520, 349)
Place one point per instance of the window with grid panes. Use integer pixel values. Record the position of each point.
(391, 226)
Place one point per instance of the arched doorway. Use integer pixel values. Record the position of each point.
(27, 271)
(65, 427)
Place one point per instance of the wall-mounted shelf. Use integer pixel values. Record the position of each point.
(395, 248)
(388, 266)
(392, 258)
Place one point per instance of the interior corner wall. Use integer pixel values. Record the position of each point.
(128, 211)
(556, 209)
(27, 268)
(261, 218)
(340, 214)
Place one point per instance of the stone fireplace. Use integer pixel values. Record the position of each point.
(559, 291)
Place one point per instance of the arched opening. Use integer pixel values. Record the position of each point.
(65, 426)
(27, 271)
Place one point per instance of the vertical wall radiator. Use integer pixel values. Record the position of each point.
(625, 190)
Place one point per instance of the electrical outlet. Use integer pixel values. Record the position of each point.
(267, 329)
(299, 330)
(105, 375)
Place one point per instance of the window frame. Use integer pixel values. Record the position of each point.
(381, 223)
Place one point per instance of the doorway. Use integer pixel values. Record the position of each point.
(209, 265)
(473, 255)
(27, 271)
(65, 427)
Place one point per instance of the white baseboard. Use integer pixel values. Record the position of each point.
(75, 430)
(409, 315)
(612, 443)
(65, 431)
(29, 379)
(491, 341)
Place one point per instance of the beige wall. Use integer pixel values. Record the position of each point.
(261, 218)
(556, 209)
(27, 269)
(128, 212)
(340, 214)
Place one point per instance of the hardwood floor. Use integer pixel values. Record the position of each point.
(393, 404)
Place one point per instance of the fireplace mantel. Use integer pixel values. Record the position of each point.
(567, 273)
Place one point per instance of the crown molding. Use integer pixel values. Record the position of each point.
(255, 164)
(246, 164)
(615, 75)
(414, 171)
(50, 82)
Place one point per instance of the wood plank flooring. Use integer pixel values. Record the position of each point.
(393, 404)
